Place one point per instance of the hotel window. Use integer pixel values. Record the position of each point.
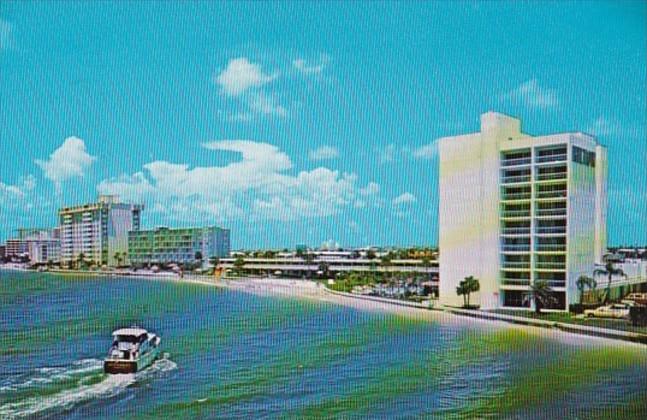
(583, 157)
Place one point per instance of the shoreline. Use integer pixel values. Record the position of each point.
(310, 290)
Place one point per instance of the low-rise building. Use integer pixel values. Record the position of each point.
(39, 244)
(177, 245)
(16, 247)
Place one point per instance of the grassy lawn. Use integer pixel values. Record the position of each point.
(614, 324)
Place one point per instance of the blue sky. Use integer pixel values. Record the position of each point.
(299, 122)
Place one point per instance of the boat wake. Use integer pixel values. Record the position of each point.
(53, 390)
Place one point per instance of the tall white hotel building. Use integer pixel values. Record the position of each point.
(516, 208)
(98, 230)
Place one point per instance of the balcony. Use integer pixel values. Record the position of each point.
(550, 266)
(550, 212)
(549, 158)
(516, 265)
(551, 194)
(515, 282)
(520, 161)
(516, 196)
(551, 176)
(515, 231)
(550, 248)
(550, 230)
(515, 212)
(515, 247)
(515, 179)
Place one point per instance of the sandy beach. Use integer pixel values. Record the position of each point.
(306, 289)
(310, 290)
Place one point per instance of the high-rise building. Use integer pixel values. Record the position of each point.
(177, 245)
(515, 209)
(98, 231)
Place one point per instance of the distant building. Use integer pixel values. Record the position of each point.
(16, 247)
(44, 250)
(516, 209)
(39, 244)
(3, 249)
(98, 231)
(177, 245)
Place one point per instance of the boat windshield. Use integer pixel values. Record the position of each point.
(130, 338)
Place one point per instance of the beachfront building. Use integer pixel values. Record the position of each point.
(515, 209)
(44, 250)
(16, 247)
(177, 245)
(98, 232)
(40, 245)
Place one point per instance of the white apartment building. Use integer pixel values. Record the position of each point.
(98, 230)
(516, 208)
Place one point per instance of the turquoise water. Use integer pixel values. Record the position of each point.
(230, 354)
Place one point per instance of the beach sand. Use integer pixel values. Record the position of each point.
(305, 289)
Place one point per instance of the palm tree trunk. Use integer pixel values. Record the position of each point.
(608, 296)
(468, 299)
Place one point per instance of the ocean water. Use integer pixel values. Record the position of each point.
(229, 354)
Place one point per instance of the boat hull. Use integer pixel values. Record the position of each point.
(114, 366)
(120, 366)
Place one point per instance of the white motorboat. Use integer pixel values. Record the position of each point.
(132, 350)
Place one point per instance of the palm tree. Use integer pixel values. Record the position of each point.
(426, 262)
(609, 270)
(466, 287)
(324, 268)
(239, 263)
(214, 261)
(80, 260)
(119, 258)
(308, 258)
(584, 282)
(542, 294)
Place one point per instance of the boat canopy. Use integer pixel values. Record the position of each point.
(132, 332)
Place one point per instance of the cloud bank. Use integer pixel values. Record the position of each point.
(256, 187)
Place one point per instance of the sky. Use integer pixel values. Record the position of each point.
(296, 122)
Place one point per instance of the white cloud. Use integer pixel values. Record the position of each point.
(403, 199)
(241, 75)
(244, 81)
(70, 160)
(531, 94)
(428, 151)
(236, 116)
(371, 188)
(310, 68)
(386, 154)
(7, 41)
(603, 127)
(266, 104)
(324, 153)
(256, 187)
(18, 198)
